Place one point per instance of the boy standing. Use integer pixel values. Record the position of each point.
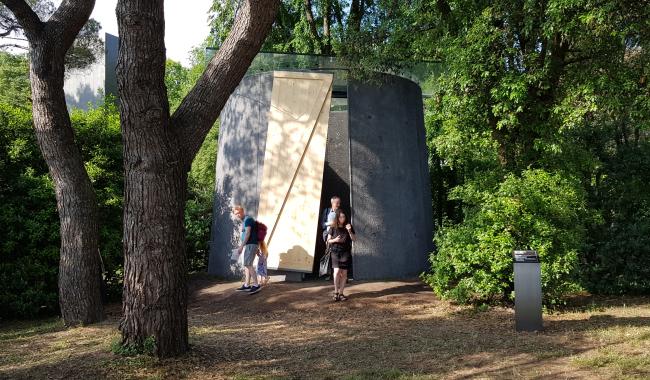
(249, 247)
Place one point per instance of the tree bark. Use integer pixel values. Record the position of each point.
(311, 21)
(327, 42)
(158, 153)
(79, 268)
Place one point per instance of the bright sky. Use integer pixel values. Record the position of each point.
(186, 24)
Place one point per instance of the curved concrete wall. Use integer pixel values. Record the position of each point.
(390, 192)
(240, 160)
(376, 152)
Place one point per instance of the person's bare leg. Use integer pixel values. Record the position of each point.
(247, 276)
(251, 275)
(344, 277)
(336, 280)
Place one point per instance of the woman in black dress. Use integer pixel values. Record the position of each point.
(340, 239)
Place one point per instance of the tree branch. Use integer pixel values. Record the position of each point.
(576, 60)
(354, 20)
(310, 20)
(443, 7)
(338, 12)
(4, 46)
(10, 30)
(25, 15)
(542, 54)
(203, 104)
(68, 20)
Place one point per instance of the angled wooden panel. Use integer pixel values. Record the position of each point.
(293, 167)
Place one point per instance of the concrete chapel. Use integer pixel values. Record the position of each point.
(289, 140)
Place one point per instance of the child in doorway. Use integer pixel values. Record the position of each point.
(263, 254)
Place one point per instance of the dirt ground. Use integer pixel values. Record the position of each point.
(393, 329)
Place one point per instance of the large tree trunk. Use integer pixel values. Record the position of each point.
(155, 266)
(158, 153)
(79, 269)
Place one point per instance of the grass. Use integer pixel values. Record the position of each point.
(18, 329)
(388, 375)
(387, 330)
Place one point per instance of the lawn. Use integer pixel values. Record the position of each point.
(392, 329)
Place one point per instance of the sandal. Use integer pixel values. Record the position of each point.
(335, 297)
(342, 297)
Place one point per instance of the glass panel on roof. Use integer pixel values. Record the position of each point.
(423, 73)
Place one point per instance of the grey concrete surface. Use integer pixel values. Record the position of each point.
(112, 47)
(240, 160)
(390, 193)
(336, 176)
(376, 161)
(89, 86)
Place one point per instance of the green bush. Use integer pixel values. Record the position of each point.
(99, 139)
(29, 222)
(537, 210)
(14, 79)
(29, 225)
(616, 257)
(148, 347)
(200, 200)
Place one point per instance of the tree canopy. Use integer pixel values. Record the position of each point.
(87, 49)
(538, 138)
(529, 86)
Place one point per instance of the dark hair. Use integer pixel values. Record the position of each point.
(338, 224)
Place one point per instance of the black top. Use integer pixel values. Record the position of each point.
(346, 245)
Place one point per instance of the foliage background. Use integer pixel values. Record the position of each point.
(29, 219)
(29, 222)
(538, 138)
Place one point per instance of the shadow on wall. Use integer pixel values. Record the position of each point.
(83, 95)
(240, 161)
(333, 185)
(227, 238)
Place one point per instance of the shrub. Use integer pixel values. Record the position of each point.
(99, 139)
(29, 222)
(200, 200)
(616, 257)
(29, 225)
(537, 210)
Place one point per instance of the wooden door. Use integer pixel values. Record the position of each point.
(293, 167)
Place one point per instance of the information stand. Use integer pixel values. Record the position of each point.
(528, 290)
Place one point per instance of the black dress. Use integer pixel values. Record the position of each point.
(342, 252)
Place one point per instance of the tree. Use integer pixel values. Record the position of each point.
(367, 36)
(158, 152)
(300, 26)
(14, 79)
(200, 195)
(527, 84)
(29, 222)
(10, 27)
(79, 269)
(87, 48)
(177, 83)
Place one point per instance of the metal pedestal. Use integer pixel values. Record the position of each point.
(528, 293)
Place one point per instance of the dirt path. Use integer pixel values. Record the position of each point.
(386, 330)
(389, 325)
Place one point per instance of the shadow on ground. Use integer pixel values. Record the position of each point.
(388, 329)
